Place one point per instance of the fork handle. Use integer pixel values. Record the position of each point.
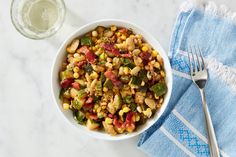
(214, 149)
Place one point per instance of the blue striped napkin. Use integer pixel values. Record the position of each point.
(180, 132)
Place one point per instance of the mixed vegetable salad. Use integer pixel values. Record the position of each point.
(112, 80)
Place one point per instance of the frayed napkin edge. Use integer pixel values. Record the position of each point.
(223, 72)
(209, 7)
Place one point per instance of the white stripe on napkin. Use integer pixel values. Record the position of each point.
(182, 147)
(181, 74)
(225, 73)
(195, 131)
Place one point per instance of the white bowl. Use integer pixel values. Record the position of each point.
(61, 54)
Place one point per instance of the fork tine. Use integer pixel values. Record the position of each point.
(199, 64)
(195, 65)
(190, 64)
(204, 65)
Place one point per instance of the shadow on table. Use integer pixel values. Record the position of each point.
(72, 22)
(125, 147)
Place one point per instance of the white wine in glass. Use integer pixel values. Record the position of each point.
(37, 19)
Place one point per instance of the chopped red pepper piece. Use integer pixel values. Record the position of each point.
(89, 100)
(84, 49)
(81, 63)
(76, 85)
(117, 83)
(118, 123)
(126, 55)
(110, 115)
(123, 30)
(88, 107)
(145, 55)
(66, 83)
(109, 74)
(110, 48)
(90, 56)
(130, 127)
(93, 116)
(129, 117)
(129, 123)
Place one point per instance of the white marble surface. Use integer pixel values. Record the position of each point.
(30, 124)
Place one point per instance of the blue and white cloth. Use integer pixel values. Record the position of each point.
(180, 132)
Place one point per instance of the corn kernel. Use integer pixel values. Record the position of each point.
(159, 105)
(96, 106)
(136, 52)
(94, 75)
(113, 28)
(109, 59)
(132, 89)
(118, 34)
(154, 53)
(100, 115)
(75, 60)
(143, 83)
(138, 61)
(133, 118)
(102, 57)
(98, 52)
(99, 109)
(65, 106)
(126, 70)
(139, 36)
(105, 89)
(94, 48)
(131, 36)
(121, 70)
(144, 49)
(99, 41)
(123, 106)
(108, 120)
(76, 75)
(68, 50)
(161, 100)
(94, 33)
(121, 113)
(156, 97)
(135, 70)
(137, 118)
(163, 73)
(126, 109)
(76, 69)
(76, 55)
(69, 55)
(159, 59)
(108, 65)
(149, 76)
(74, 45)
(123, 37)
(139, 109)
(157, 65)
(130, 128)
(148, 112)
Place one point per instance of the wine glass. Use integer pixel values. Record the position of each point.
(37, 19)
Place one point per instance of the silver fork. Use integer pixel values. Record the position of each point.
(199, 76)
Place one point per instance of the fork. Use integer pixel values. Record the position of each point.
(199, 75)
